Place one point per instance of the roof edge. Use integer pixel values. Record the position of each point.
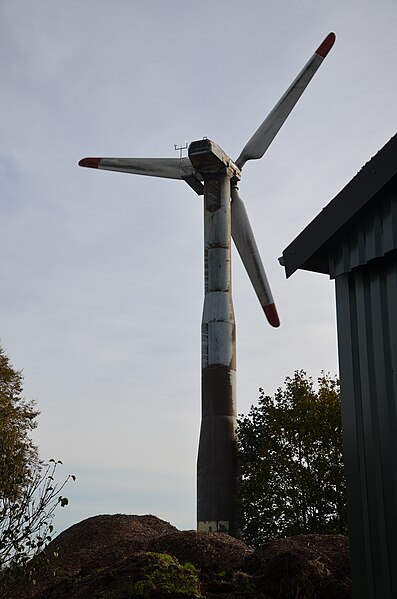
(374, 175)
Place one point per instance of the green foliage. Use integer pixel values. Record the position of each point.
(17, 420)
(29, 494)
(235, 582)
(245, 583)
(26, 524)
(165, 577)
(290, 456)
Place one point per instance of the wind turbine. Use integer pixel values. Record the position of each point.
(210, 172)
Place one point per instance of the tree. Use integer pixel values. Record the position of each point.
(29, 494)
(291, 464)
(17, 419)
(26, 523)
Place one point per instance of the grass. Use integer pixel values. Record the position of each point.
(165, 576)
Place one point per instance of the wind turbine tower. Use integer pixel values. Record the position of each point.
(210, 172)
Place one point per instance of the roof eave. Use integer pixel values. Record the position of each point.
(309, 250)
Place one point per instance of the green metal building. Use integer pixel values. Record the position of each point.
(354, 241)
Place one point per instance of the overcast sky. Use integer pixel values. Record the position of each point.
(102, 273)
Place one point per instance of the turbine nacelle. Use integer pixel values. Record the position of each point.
(208, 158)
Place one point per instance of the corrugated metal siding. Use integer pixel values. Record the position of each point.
(372, 234)
(367, 338)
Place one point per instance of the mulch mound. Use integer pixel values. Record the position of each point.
(107, 538)
(303, 566)
(103, 556)
(210, 552)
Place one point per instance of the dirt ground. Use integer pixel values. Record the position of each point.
(121, 556)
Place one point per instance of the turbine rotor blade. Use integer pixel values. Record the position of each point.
(245, 243)
(169, 168)
(264, 135)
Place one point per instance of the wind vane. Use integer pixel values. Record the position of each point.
(210, 172)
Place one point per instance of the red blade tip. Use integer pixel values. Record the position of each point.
(326, 45)
(89, 162)
(271, 315)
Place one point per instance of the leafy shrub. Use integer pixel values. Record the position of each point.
(291, 463)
